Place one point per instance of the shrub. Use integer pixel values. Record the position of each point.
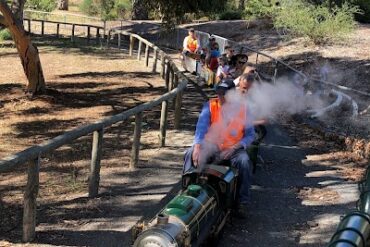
(315, 22)
(123, 8)
(364, 5)
(42, 5)
(260, 8)
(231, 15)
(107, 9)
(5, 35)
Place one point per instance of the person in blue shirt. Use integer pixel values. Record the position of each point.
(223, 132)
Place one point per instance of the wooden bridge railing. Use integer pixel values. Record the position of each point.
(175, 83)
(99, 30)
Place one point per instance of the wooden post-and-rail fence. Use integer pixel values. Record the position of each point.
(175, 82)
(89, 29)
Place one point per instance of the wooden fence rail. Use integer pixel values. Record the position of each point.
(175, 83)
(73, 26)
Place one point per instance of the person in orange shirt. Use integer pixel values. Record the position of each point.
(222, 135)
(191, 43)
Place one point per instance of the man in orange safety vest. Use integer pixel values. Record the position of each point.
(223, 133)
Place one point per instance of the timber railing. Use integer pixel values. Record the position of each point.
(175, 83)
(88, 30)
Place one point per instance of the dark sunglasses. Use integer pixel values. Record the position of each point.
(241, 62)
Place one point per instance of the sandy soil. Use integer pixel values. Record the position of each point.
(84, 84)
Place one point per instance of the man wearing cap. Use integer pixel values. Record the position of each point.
(245, 82)
(223, 132)
(191, 44)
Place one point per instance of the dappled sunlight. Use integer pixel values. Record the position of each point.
(324, 226)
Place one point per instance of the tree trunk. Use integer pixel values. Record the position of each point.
(62, 4)
(242, 5)
(17, 9)
(28, 53)
(139, 10)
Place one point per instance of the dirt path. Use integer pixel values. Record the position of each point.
(299, 195)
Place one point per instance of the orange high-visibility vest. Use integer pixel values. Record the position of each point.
(192, 44)
(234, 130)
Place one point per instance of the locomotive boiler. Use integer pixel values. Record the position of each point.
(197, 215)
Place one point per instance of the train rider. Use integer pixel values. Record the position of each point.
(238, 63)
(245, 82)
(247, 69)
(223, 135)
(229, 52)
(191, 44)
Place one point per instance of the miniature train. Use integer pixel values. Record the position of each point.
(197, 215)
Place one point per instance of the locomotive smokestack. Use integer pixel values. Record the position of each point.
(162, 219)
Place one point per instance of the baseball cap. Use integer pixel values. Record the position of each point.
(224, 86)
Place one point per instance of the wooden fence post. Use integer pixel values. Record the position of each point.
(178, 106)
(164, 111)
(42, 28)
(73, 33)
(275, 71)
(139, 50)
(147, 55)
(88, 34)
(155, 60)
(136, 141)
(97, 33)
(167, 76)
(96, 153)
(172, 79)
(163, 65)
(108, 38)
(30, 196)
(58, 27)
(163, 124)
(119, 40)
(29, 26)
(132, 43)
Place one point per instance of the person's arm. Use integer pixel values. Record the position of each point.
(204, 121)
(199, 48)
(249, 132)
(185, 44)
(249, 136)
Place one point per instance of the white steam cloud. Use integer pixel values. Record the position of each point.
(263, 101)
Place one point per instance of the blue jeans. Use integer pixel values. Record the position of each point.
(239, 159)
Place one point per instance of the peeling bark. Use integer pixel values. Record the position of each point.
(17, 9)
(28, 53)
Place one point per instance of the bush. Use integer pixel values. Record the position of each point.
(364, 5)
(42, 5)
(123, 8)
(231, 15)
(260, 8)
(107, 9)
(5, 35)
(315, 22)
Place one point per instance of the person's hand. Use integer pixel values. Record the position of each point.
(226, 154)
(196, 154)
